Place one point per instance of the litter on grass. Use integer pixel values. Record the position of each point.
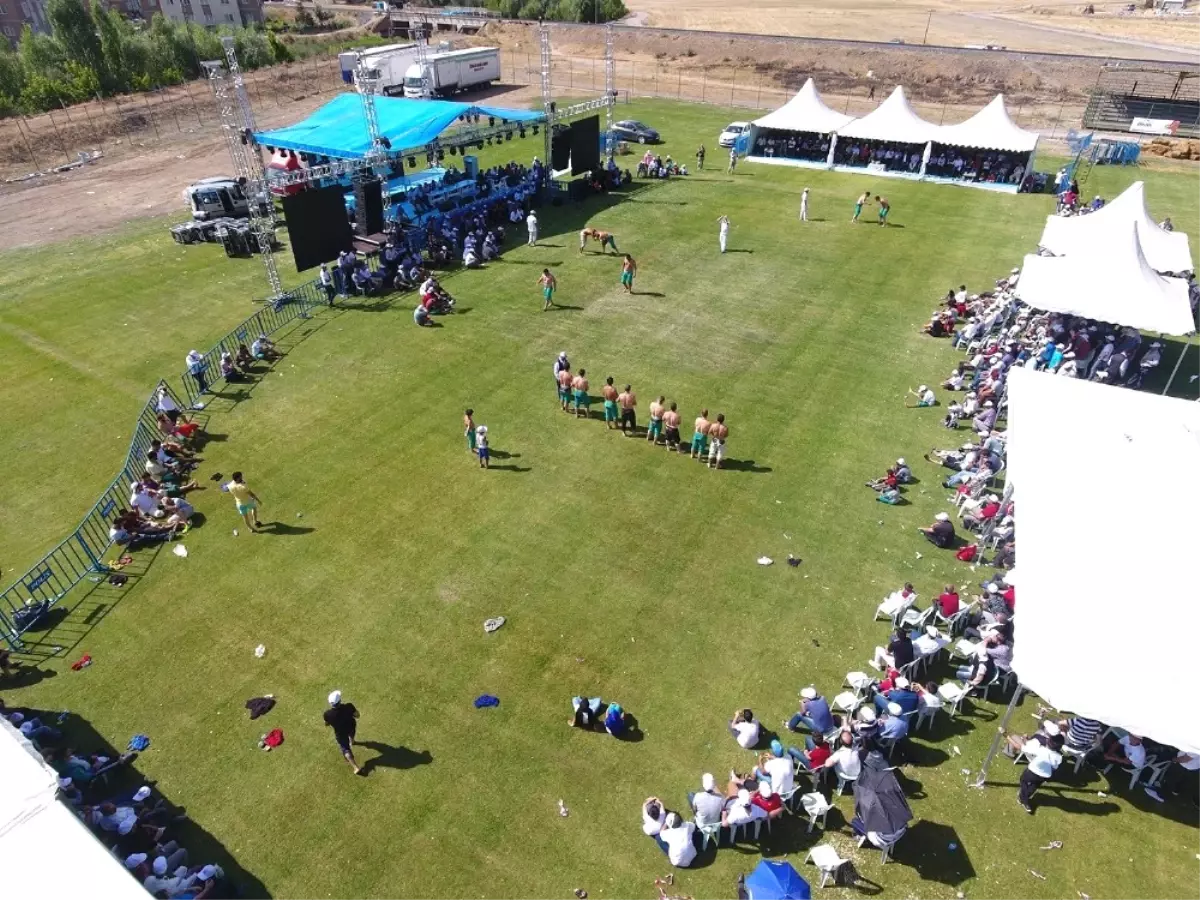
(260, 651)
(180, 551)
(493, 624)
(765, 560)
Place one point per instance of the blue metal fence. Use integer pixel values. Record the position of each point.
(82, 555)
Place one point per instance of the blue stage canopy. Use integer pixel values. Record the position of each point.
(338, 129)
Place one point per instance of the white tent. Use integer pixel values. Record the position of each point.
(892, 120)
(46, 850)
(989, 129)
(1165, 251)
(1106, 612)
(1112, 283)
(805, 112)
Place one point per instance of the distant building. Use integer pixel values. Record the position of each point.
(14, 14)
(212, 12)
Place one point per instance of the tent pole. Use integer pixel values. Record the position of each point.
(1178, 363)
(832, 147)
(1001, 729)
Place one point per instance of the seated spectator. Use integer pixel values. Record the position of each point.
(928, 695)
(815, 753)
(1127, 751)
(654, 814)
(947, 601)
(921, 397)
(1082, 734)
(900, 694)
(893, 725)
(864, 726)
(979, 672)
(708, 805)
(1014, 744)
(899, 652)
(766, 799)
(845, 761)
(229, 370)
(177, 510)
(745, 729)
(263, 348)
(678, 840)
(421, 315)
(741, 810)
(586, 712)
(941, 532)
(243, 360)
(778, 770)
(814, 713)
(887, 483)
(614, 720)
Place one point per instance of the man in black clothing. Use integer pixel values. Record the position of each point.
(343, 719)
(941, 533)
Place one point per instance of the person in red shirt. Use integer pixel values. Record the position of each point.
(1010, 597)
(948, 602)
(985, 513)
(816, 751)
(766, 799)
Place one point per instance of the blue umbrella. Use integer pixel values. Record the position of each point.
(776, 881)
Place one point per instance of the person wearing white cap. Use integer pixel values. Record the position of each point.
(924, 397)
(941, 532)
(678, 840)
(133, 860)
(741, 810)
(343, 719)
(814, 713)
(163, 878)
(708, 804)
(560, 363)
(1100, 363)
(893, 726)
(899, 694)
(531, 224)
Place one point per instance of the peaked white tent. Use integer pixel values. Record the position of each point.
(1165, 251)
(1111, 283)
(989, 129)
(47, 850)
(1082, 576)
(892, 120)
(804, 112)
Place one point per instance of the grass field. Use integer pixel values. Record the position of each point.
(393, 547)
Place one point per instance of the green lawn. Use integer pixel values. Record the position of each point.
(396, 547)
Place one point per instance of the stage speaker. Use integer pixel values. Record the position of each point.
(471, 166)
(579, 189)
(560, 148)
(373, 193)
(585, 145)
(317, 226)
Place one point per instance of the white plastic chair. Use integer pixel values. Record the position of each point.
(826, 859)
(964, 648)
(816, 807)
(925, 713)
(859, 682)
(894, 606)
(843, 779)
(915, 618)
(709, 832)
(952, 693)
(847, 702)
(886, 849)
(744, 826)
(1134, 774)
(995, 680)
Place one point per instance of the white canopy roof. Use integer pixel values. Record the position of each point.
(1083, 575)
(804, 112)
(1166, 251)
(1112, 282)
(989, 129)
(48, 852)
(892, 120)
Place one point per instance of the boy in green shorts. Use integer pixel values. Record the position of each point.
(628, 270)
(654, 429)
(582, 401)
(700, 436)
(247, 501)
(610, 403)
(548, 283)
(565, 380)
(884, 209)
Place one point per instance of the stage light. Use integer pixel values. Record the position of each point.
(479, 145)
(553, 106)
(521, 132)
(508, 135)
(412, 162)
(454, 151)
(441, 154)
(535, 129)
(489, 142)
(491, 121)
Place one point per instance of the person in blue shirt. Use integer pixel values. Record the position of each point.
(614, 720)
(901, 694)
(814, 714)
(892, 724)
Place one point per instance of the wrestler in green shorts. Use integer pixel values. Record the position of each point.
(654, 429)
(699, 442)
(582, 399)
(627, 279)
(610, 410)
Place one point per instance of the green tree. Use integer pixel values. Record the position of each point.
(76, 33)
(112, 47)
(280, 51)
(40, 54)
(12, 75)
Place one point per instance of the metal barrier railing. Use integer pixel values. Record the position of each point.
(81, 555)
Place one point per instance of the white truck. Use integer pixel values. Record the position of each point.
(392, 62)
(452, 72)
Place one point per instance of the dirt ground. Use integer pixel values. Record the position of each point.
(1056, 26)
(154, 145)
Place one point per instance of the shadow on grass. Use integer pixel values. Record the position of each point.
(393, 757)
(282, 528)
(561, 307)
(646, 294)
(743, 465)
(926, 849)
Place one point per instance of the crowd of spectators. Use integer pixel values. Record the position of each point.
(985, 166)
(806, 146)
(892, 155)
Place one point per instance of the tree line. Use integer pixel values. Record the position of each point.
(560, 10)
(95, 52)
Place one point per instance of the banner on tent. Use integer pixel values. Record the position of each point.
(1154, 126)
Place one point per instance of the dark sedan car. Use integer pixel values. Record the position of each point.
(635, 133)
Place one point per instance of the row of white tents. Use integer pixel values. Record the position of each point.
(1114, 265)
(893, 120)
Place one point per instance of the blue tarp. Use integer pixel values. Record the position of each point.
(338, 129)
(775, 880)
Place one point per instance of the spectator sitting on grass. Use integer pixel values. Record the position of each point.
(745, 729)
(923, 397)
(229, 369)
(654, 814)
(264, 348)
(243, 360)
(941, 532)
(614, 720)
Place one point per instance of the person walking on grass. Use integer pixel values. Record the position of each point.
(627, 400)
(804, 205)
(469, 429)
(884, 209)
(246, 500)
(548, 283)
(628, 270)
(863, 199)
(717, 433)
(531, 225)
(723, 234)
(610, 403)
(481, 446)
(565, 381)
(343, 719)
(732, 159)
(700, 157)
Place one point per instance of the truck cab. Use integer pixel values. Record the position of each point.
(214, 198)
